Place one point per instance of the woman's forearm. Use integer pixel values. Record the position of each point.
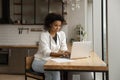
(53, 54)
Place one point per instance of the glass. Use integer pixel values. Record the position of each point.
(0, 9)
(31, 11)
(28, 12)
(41, 10)
(56, 6)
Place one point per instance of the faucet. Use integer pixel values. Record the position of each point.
(21, 30)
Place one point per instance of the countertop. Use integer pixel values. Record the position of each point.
(25, 46)
(18, 46)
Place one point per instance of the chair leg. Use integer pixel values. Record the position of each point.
(25, 77)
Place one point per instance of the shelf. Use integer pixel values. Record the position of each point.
(36, 29)
(20, 4)
(17, 13)
(17, 4)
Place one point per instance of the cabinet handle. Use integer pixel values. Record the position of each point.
(28, 51)
(9, 52)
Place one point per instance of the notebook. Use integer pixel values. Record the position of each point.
(81, 49)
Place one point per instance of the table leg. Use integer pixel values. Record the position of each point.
(61, 75)
(107, 75)
(64, 75)
(103, 76)
(94, 75)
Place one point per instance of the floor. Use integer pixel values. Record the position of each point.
(13, 77)
(21, 77)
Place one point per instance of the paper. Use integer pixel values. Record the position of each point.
(61, 60)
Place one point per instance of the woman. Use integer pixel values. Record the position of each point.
(52, 43)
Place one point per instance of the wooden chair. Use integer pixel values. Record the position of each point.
(29, 72)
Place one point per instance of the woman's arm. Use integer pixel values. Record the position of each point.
(44, 44)
(53, 54)
(63, 44)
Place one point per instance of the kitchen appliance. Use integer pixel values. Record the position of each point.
(4, 55)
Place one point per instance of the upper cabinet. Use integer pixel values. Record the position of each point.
(5, 12)
(28, 11)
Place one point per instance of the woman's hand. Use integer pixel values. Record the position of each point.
(65, 54)
(61, 54)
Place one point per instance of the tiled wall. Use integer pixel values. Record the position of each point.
(9, 35)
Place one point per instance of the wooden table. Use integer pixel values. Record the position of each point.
(91, 64)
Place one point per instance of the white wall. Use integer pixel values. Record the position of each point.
(90, 21)
(97, 26)
(82, 16)
(114, 39)
(73, 19)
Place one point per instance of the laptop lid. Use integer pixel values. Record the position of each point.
(81, 49)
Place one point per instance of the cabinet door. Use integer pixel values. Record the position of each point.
(15, 11)
(17, 60)
(28, 11)
(41, 10)
(33, 11)
(0, 9)
(56, 6)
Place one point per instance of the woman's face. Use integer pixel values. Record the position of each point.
(56, 26)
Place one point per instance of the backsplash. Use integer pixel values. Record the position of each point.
(11, 35)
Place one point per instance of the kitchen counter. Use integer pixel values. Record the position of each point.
(26, 46)
(18, 46)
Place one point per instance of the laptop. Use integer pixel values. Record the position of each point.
(81, 49)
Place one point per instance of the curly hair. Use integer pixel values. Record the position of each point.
(50, 18)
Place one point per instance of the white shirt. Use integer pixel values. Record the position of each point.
(48, 45)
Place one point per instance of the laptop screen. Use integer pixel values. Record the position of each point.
(81, 49)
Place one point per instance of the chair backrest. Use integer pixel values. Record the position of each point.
(29, 72)
(29, 60)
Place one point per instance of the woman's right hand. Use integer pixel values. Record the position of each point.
(64, 54)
